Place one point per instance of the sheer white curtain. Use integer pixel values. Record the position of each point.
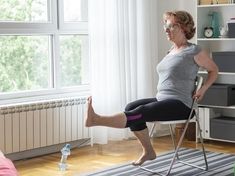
(123, 51)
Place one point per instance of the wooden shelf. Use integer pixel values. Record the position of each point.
(213, 106)
(216, 39)
(215, 5)
(220, 73)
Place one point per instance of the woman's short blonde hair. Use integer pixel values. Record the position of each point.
(184, 19)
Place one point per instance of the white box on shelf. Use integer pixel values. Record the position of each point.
(208, 114)
(201, 122)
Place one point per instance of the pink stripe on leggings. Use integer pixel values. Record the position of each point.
(134, 117)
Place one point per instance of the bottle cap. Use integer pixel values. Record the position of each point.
(68, 146)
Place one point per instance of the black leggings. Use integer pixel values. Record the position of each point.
(148, 110)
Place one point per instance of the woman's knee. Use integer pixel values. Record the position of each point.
(136, 125)
(139, 103)
(139, 127)
(130, 106)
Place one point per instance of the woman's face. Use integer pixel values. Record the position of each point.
(172, 29)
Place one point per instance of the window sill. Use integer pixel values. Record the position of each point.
(43, 98)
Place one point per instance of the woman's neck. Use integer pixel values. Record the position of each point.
(180, 44)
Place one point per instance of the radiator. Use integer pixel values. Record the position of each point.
(37, 125)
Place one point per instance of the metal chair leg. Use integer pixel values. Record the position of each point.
(175, 156)
(198, 84)
(173, 139)
(202, 143)
(152, 130)
(179, 144)
(178, 147)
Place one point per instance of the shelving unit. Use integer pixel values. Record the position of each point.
(206, 112)
(216, 39)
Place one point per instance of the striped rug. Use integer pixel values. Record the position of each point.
(219, 165)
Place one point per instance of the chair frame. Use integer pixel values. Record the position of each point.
(194, 108)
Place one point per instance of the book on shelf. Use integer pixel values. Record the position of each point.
(205, 2)
(231, 20)
(211, 2)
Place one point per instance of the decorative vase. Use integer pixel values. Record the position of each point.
(215, 24)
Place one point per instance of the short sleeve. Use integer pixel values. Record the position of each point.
(195, 49)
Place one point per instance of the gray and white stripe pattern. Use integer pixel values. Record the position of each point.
(219, 165)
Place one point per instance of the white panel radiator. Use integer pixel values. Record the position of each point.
(36, 125)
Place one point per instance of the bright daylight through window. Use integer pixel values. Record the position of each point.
(43, 47)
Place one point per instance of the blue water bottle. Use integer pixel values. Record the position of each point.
(65, 151)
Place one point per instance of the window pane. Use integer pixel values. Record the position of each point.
(75, 10)
(24, 63)
(24, 10)
(74, 60)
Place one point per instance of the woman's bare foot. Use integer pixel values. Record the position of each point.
(90, 115)
(144, 157)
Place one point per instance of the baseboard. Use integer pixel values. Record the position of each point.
(45, 150)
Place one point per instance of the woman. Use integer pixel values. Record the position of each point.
(177, 72)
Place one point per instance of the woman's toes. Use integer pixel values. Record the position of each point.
(143, 158)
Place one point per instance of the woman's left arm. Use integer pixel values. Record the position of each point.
(203, 60)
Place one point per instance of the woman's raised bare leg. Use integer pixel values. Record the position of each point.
(119, 121)
(92, 119)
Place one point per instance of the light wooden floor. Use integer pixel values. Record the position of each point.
(87, 159)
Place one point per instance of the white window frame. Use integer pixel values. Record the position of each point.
(54, 28)
(29, 27)
(82, 27)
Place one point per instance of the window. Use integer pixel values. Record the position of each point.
(75, 10)
(25, 63)
(24, 10)
(43, 48)
(73, 63)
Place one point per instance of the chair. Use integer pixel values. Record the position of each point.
(194, 108)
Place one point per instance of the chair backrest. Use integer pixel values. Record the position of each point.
(199, 81)
(198, 85)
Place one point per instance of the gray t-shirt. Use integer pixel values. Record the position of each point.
(177, 73)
